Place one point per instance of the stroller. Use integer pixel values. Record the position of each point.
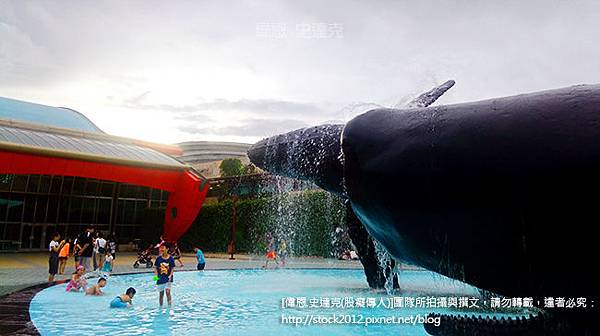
(144, 257)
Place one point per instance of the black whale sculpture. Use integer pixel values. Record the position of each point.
(503, 194)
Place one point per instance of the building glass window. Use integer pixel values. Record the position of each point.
(5, 181)
(20, 182)
(32, 207)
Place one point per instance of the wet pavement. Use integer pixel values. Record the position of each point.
(22, 270)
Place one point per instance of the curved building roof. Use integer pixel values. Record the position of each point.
(16, 110)
(61, 132)
(82, 147)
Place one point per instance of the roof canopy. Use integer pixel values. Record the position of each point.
(20, 138)
(11, 109)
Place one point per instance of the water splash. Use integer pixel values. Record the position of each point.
(390, 268)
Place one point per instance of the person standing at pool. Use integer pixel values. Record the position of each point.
(85, 244)
(163, 273)
(101, 250)
(123, 300)
(112, 246)
(200, 258)
(95, 251)
(282, 252)
(162, 242)
(107, 266)
(176, 253)
(54, 248)
(63, 256)
(271, 255)
(76, 250)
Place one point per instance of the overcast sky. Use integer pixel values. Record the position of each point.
(171, 71)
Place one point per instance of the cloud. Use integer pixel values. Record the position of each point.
(247, 128)
(270, 107)
(203, 62)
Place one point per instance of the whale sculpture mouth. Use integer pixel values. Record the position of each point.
(472, 191)
(312, 154)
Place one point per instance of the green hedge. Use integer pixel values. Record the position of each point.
(305, 220)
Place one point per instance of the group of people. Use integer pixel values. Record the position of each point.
(90, 249)
(78, 283)
(164, 267)
(88, 246)
(275, 253)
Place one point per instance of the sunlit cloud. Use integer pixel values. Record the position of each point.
(203, 70)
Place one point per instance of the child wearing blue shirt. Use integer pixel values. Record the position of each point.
(163, 274)
(200, 257)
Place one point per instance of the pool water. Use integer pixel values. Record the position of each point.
(234, 302)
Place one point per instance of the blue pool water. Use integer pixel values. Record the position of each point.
(234, 302)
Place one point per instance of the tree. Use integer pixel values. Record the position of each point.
(231, 167)
(249, 169)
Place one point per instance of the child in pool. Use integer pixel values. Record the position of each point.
(97, 288)
(163, 273)
(200, 258)
(123, 300)
(77, 280)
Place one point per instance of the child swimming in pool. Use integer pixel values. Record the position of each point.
(77, 280)
(97, 288)
(163, 273)
(123, 300)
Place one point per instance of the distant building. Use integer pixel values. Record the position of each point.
(206, 156)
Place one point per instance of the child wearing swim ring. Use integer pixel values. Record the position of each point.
(123, 300)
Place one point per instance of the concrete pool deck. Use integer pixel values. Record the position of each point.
(22, 270)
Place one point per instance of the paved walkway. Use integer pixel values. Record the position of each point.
(21, 270)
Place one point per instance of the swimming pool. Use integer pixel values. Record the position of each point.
(238, 302)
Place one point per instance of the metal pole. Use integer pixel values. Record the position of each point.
(234, 220)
